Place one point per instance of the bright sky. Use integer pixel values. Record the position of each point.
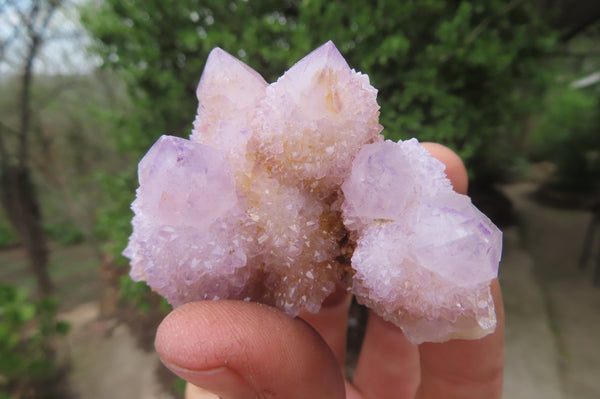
(64, 51)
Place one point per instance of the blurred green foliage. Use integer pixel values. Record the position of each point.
(70, 153)
(8, 236)
(463, 73)
(567, 134)
(137, 291)
(450, 71)
(565, 129)
(28, 328)
(64, 233)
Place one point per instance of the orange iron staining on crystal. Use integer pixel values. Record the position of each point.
(286, 190)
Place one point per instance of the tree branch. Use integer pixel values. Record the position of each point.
(36, 37)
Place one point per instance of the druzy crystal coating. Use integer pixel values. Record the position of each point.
(287, 191)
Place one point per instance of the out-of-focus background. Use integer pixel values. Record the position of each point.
(86, 87)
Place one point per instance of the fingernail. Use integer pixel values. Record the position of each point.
(221, 381)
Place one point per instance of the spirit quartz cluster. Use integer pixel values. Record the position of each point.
(286, 191)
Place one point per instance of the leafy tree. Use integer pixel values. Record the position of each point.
(452, 71)
(50, 130)
(464, 73)
(17, 189)
(565, 130)
(159, 50)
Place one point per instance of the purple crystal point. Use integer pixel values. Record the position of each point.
(423, 251)
(182, 182)
(322, 63)
(188, 226)
(228, 94)
(314, 119)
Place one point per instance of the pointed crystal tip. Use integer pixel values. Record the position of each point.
(222, 67)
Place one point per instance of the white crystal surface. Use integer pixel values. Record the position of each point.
(285, 191)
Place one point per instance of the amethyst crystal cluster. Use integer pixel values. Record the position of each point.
(286, 191)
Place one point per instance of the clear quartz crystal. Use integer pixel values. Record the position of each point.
(286, 190)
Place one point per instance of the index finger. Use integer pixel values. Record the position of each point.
(465, 369)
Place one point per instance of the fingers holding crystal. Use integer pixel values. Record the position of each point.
(294, 192)
(331, 322)
(465, 369)
(388, 366)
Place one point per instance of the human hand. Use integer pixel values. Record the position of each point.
(242, 350)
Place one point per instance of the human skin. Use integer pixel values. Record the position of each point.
(242, 350)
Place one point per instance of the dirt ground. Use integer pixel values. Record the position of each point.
(107, 362)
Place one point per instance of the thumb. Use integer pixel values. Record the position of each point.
(242, 350)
